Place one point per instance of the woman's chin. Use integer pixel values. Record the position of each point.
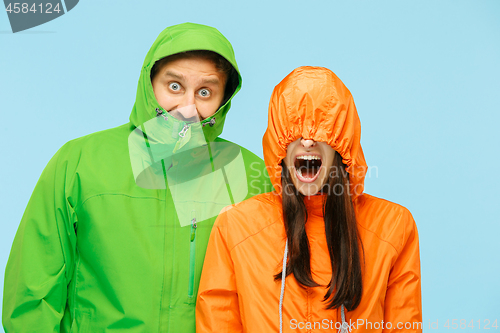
(308, 189)
(308, 193)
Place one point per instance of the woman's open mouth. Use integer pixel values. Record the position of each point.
(307, 167)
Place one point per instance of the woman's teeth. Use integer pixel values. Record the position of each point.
(308, 157)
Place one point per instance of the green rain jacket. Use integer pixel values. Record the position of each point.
(114, 235)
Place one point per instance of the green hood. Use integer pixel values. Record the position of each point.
(175, 39)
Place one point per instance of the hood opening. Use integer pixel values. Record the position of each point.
(221, 63)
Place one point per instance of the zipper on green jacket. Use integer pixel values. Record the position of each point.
(192, 257)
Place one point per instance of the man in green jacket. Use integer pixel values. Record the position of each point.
(114, 235)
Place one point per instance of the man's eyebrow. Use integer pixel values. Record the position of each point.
(174, 75)
(212, 80)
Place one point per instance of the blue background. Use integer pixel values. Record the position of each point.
(424, 76)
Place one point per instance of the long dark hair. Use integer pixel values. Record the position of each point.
(342, 237)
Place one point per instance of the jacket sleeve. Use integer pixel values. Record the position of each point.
(217, 308)
(37, 274)
(403, 302)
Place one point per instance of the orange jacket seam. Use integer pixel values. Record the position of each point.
(249, 236)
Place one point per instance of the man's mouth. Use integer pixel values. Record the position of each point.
(307, 167)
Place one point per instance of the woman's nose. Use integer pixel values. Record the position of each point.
(307, 143)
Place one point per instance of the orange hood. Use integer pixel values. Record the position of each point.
(312, 103)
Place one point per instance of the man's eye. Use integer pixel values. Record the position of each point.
(174, 86)
(204, 92)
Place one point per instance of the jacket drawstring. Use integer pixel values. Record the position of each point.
(344, 328)
(283, 276)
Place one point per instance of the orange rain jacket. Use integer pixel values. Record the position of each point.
(237, 291)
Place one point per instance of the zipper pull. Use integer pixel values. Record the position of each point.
(182, 133)
(193, 228)
(185, 136)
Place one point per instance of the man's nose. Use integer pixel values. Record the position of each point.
(307, 143)
(187, 106)
(187, 112)
(187, 99)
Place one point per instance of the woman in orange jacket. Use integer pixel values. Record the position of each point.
(317, 254)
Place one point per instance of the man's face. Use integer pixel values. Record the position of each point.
(192, 87)
(309, 163)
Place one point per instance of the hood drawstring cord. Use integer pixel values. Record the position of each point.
(211, 122)
(160, 113)
(283, 277)
(344, 328)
